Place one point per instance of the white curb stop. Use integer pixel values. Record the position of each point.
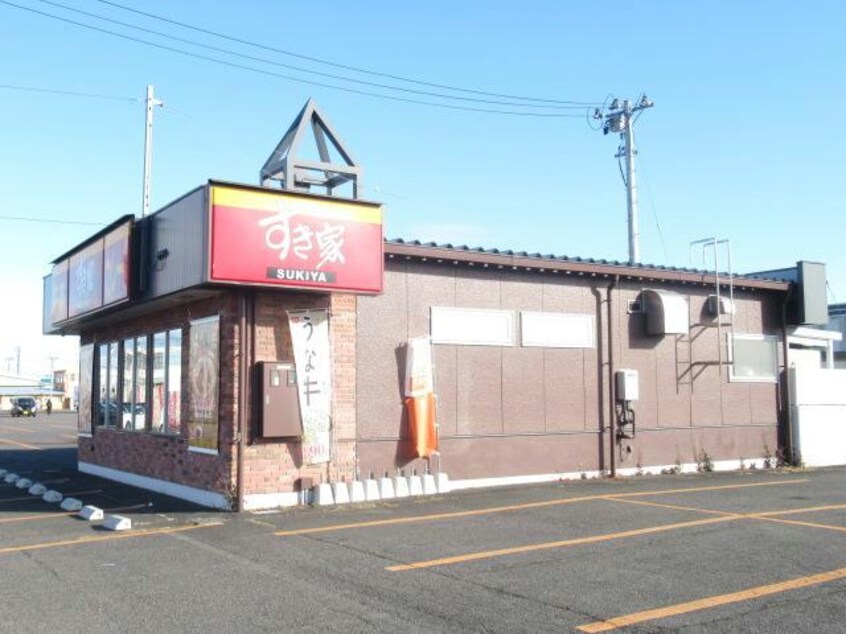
(371, 490)
(52, 497)
(429, 486)
(401, 487)
(3, 472)
(11, 477)
(415, 485)
(91, 513)
(386, 488)
(23, 483)
(117, 523)
(322, 495)
(37, 489)
(442, 483)
(357, 491)
(71, 504)
(341, 492)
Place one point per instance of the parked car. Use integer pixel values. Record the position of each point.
(23, 406)
(140, 412)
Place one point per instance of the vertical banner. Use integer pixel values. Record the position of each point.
(419, 392)
(310, 338)
(204, 371)
(86, 375)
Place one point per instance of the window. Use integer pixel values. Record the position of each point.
(472, 326)
(753, 358)
(159, 403)
(174, 382)
(204, 369)
(139, 401)
(86, 377)
(107, 385)
(138, 383)
(557, 330)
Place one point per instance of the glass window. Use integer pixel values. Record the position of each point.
(174, 381)
(86, 378)
(139, 408)
(159, 420)
(127, 400)
(754, 358)
(114, 385)
(107, 384)
(204, 369)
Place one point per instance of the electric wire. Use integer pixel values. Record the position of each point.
(265, 60)
(51, 221)
(287, 77)
(68, 93)
(337, 65)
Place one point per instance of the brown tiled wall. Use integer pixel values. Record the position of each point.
(519, 411)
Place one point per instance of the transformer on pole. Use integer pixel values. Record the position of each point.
(620, 119)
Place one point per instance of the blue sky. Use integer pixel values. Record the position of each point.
(744, 142)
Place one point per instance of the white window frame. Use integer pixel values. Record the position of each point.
(439, 326)
(731, 338)
(533, 335)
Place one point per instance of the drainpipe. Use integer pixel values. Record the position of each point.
(611, 391)
(785, 391)
(242, 398)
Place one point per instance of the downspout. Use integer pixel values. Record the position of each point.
(242, 399)
(611, 391)
(784, 384)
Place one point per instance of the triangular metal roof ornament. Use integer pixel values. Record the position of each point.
(292, 172)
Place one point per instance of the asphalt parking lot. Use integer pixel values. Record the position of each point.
(741, 552)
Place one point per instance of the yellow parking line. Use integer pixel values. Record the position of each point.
(6, 441)
(489, 554)
(829, 527)
(770, 516)
(713, 602)
(21, 429)
(106, 538)
(520, 507)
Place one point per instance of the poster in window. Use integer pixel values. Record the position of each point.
(86, 375)
(203, 371)
(59, 310)
(85, 280)
(116, 266)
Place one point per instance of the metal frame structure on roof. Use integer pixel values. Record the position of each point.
(292, 172)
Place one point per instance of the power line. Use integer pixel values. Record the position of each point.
(287, 77)
(51, 221)
(300, 69)
(343, 66)
(67, 92)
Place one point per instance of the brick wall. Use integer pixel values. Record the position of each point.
(273, 466)
(166, 457)
(270, 466)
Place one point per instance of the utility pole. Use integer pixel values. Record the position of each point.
(620, 119)
(148, 148)
(18, 361)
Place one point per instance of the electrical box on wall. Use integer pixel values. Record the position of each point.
(626, 385)
(279, 404)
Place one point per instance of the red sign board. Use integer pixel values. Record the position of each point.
(280, 239)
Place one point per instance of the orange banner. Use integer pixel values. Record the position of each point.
(421, 424)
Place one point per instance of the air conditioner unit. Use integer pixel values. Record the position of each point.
(725, 306)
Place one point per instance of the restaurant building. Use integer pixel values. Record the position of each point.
(245, 344)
